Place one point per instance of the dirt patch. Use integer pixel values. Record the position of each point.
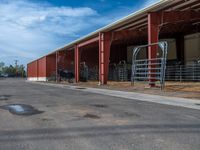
(91, 116)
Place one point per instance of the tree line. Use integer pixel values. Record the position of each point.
(12, 71)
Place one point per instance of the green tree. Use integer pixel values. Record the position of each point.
(10, 70)
(21, 71)
(2, 64)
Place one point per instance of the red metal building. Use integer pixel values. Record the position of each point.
(167, 19)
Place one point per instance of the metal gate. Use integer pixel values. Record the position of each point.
(151, 71)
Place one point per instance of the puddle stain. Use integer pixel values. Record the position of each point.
(21, 109)
(91, 116)
(4, 97)
(99, 105)
(80, 88)
(47, 119)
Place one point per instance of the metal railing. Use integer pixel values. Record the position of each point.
(183, 73)
(148, 69)
(178, 73)
(120, 72)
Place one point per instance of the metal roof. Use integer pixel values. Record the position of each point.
(126, 21)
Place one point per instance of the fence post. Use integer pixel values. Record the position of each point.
(193, 69)
(180, 73)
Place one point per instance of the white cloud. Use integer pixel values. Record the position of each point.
(149, 2)
(28, 30)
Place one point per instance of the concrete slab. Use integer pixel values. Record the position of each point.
(173, 101)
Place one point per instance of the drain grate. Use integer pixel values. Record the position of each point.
(99, 105)
(21, 109)
(91, 116)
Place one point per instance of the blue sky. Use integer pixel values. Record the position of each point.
(31, 28)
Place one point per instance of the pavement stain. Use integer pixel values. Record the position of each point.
(99, 105)
(126, 114)
(80, 88)
(4, 97)
(91, 116)
(46, 119)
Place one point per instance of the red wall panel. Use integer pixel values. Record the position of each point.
(50, 64)
(32, 69)
(62, 59)
(66, 60)
(42, 67)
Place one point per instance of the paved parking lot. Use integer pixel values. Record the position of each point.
(78, 120)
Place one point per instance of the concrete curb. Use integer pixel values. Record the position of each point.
(173, 101)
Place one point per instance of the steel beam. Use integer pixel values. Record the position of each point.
(153, 37)
(56, 66)
(125, 34)
(95, 39)
(180, 46)
(104, 55)
(77, 63)
(37, 69)
(178, 16)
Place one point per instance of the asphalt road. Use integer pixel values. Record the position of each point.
(78, 120)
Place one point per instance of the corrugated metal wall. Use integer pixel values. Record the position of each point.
(32, 69)
(62, 58)
(50, 65)
(42, 67)
(66, 60)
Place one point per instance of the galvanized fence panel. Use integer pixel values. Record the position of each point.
(150, 71)
(183, 72)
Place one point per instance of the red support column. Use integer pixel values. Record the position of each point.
(104, 55)
(37, 69)
(77, 63)
(153, 37)
(56, 66)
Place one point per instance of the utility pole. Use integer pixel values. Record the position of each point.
(16, 67)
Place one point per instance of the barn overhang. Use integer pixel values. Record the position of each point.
(166, 18)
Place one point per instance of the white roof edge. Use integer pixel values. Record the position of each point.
(107, 27)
